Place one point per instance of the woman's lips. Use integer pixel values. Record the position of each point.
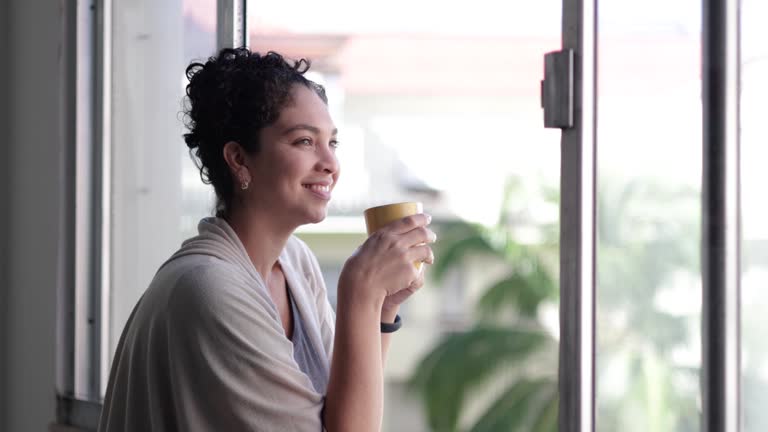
(319, 190)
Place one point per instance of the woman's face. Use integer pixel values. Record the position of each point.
(295, 170)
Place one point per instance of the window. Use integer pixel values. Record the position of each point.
(648, 211)
(754, 63)
(435, 107)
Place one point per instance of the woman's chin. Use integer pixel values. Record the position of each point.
(316, 217)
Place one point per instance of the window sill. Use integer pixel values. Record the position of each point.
(76, 415)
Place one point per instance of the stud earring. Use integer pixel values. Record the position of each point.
(244, 185)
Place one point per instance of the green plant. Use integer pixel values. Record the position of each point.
(507, 335)
(648, 240)
(647, 237)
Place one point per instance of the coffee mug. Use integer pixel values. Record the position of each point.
(377, 217)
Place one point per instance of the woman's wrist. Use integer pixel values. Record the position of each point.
(352, 294)
(388, 314)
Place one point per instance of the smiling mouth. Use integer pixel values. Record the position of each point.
(318, 188)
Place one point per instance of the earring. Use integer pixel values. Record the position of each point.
(244, 185)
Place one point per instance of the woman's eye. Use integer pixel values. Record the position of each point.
(334, 144)
(304, 141)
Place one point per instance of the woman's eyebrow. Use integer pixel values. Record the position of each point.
(310, 128)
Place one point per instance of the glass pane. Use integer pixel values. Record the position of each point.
(648, 213)
(441, 105)
(754, 156)
(157, 196)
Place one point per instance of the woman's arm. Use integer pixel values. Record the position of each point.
(354, 401)
(380, 269)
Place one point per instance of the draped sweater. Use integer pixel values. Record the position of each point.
(204, 348)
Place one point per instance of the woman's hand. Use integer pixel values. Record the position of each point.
(383, 269)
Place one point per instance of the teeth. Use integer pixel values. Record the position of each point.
(320, 188)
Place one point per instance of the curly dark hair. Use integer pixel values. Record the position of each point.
(232, 97)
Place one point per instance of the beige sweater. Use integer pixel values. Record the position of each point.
(204, 349)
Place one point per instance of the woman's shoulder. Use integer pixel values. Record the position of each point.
(203, 298)
(194, 282)
(198, 271)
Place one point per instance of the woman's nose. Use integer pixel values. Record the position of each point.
(328, 161)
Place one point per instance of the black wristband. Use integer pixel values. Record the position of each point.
(392, 327)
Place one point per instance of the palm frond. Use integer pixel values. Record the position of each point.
(518, 407)
(546, 418)
(462, 362)
(449, 252)
(523, 292)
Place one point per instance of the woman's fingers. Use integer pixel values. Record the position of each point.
(418, 282)
(421, 253)
(391, 258)
(415, 283)
(406, 232)
(408, 223)
(417, 236)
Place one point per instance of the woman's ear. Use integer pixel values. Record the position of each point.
(234, 155)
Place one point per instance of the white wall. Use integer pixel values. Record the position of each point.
(31, 186)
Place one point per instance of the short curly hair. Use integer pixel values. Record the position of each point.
(232, 97)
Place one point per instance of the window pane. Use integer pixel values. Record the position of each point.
(648, 213)
(157, 196)
(754, 156)
(441, 105)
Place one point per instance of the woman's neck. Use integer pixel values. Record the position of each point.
(262, 236)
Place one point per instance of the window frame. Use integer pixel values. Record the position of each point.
(79, 361)
(578, 177)
(721, 217)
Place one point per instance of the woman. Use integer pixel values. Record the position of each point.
(235, 332)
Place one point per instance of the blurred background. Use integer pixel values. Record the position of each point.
(436, 102)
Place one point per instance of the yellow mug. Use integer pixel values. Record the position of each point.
(377, 217)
